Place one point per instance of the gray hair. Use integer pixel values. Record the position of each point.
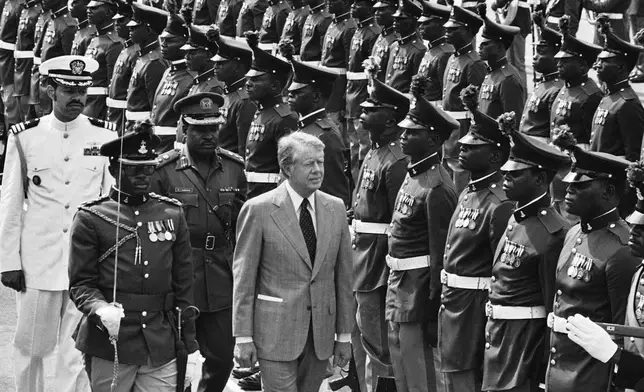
(287, 145)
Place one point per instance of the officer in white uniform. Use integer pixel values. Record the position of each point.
(53, 164)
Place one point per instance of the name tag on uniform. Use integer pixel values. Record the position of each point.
(183, 190)
(92, 149)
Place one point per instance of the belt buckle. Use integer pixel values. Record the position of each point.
(443, 277)
(210, 242)
(488, 309)
(551, 320)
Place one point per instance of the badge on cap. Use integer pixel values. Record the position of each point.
(206, 103)
(77, 67)
(143, 149)
(412, 103)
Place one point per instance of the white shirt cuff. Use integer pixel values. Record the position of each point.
(243, 339)
(343, 338)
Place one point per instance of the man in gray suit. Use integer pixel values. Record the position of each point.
(292, 300)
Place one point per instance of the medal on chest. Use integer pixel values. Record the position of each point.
(368, 179)
(199, 4)
(256, 132)
(467, 218)
(161, 231)
(308, 29)
(580, 267)
(92, 52)
(38, 30)
(289, 22)
(487, 91)
(405, 204)
(639, 302)
(75, 46)
(329, 42)
(23, 23)
(118, 67)
(424, 67)
(49, 36)
(356, 42)
(170, 87)
(381, 52)
(512, 253)
(268, 17)
(223, 112)
(533, 103)
(564, 107)
(454, 75)
(223, 12)
(5, 15)
(243, 9)
(600, 117)
(400, 62)
(92, 149)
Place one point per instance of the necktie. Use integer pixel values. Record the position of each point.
(306, 224)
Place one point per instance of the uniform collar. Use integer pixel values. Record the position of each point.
(366, 22)
(341, 17)
(436, 42)
(622, 84)
(178, 65)
(382, 139)
(423, 165)
(548, 77)
(230, 88)
(318, 8)
(204, 76)
(484, 182)
(186, 161)
(577, 82)
(60, 12)
(78, 122)
(501, 63)
(127, 43)
(270, 102)
(387, 31)
(30, 4)
(149, 48)
(105, 29)
(128, 199)
(83, 23)
(533, 208)
(600, 221)
(464, 50)
(407, 39)
(311, 118)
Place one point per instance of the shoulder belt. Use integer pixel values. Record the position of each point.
(168, 157)
(620, 231)
(628, 94)
(133, 233)
(23, 126)
(168, 200)
(102, 123)
(396, 150)
(552, 221)
(324, 123)
(498, 191)
(282, 110)
(231, 155)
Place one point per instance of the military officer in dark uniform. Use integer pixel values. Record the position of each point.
(422, 212)
(362, 43)
(146, 25)
(86, 31)
(202, 12)
(502, 90)
(433, 65)
(523, 272)
(464, 68)
(24, 55)
(209, 181)
(555, 9)
(272, 120)
(315, 27)
(198, 53)
(294, 24)
(408, 51)
(618, 124)
(273, 24)
(307, 94)
(227, 15)
(595, 267)
(174, 85)
(535, 120)
(251, 16)
(154, 274)
(232, 62)
(34, 84)
(384, 11)
(123, 68)
(9, 22)
(105, 48)
(474, 233)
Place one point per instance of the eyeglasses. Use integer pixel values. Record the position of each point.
(132, 170)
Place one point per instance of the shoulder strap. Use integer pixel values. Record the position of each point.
(23, 164)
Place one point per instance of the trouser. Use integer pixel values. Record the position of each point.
(304, 374)
(516, 57)
(359, 143)
(451, 149)
(47, 319)
(414, 360)
(216, 343)
(370, 340)
(117, 116)
(636, 23)
(23, 107)
(463, 381)
(134, 378)
(11, 107)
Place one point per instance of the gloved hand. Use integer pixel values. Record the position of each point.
(191, 369)
(591, 337)
(14, 280)
(111, 316)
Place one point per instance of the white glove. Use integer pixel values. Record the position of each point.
(111, 316)
(192, 367)
(591, 337)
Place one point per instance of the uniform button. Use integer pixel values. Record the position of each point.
(391, 225)
(557, 305)
(65, 135)
(443, 307)
(552, 362)
(139, 224)
(248, 151)
(67, 182)
(448, 246)
(357, 197)
(574, 250)
(353, 246)
(144, 313)
(389, 235)
(638, 294)
(553, 350)
(145, 262)
(66, 206)
(632, 339)
(612, 225)
(487, 345)
(355, 204)
(136, 213)
(494, 279)
(66, 159)
(65, 230)
(578, 240)
(144, 326)
(465, 198)
(559, 292)
(146, 276)
(510, 227)
(442, 296)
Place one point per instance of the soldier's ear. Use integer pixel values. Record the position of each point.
(51, 92)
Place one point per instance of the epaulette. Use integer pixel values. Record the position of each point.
(168, 157)
(284, 6)
(166, 199)
(282, 109)
(69, 20)
(326, 14)
(93, 202)
(16, 129)
(102, 123)
(473, 55)
(153, 55)
(419, 44)
(324, 123)
(231, 155)
(112, 35)
(497, 190)
(396, 150)
(627, 94)
(433, 176)
(552, 221)
(507, 70)
(620, 230)
(375, 28)
(589, 88)
(242, 93)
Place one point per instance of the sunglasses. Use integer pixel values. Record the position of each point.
(131, 170)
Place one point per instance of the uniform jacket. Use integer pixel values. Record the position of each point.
(381, 49)
(294, 26)
(522, 20)
(575, 106)
(424, 206)
(206, 82)
(628, 376)
(204, 12)
(174, 85)
(335, 54)
(238, 110)
(227, 16)
(315, 28)
(382, 173)
(501, 91)
(149, 287)
(618, 123)
(464, 67)
(39, 35)
(273, 21)
(404, 61)
(335, 183)
(558, 8)
(226, 186)
(59, 35)
(535, 120)
(25, 41)
(251, 16)
(105, 48)
(523, 274)
(278, 291)
(146, 77)
(599, 246)
(361, 46)
(123, 69)
(83, 36)
(433, 65)
(470, 252)
(272, 120)
(8, 33)
(64, 169)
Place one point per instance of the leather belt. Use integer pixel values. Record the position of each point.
(469, 4)
(523, 4)
(613, 16)
(116, 103)
(267, 178)
(499, 312)
(370, 227)
(408, 263)
(97, 91)
(142, 302)
(313, 63)
(137, 116)
(464, 282)
(335, 70)
(553, 19)
(268, 47)
(461, 115)
(356, 75)
(165, 131)
(7, 45)
(23, 54)
(209, 242)
(37, 61)
(556, 323)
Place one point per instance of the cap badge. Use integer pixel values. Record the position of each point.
(412, 103)
(572, 158)
(77, 67)
(143, 149)
(206, 103)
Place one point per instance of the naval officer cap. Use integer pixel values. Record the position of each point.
(201, 109)
(135, 147)
(573, 47)
(70, 70)
(635, 177)
(434, 11)
(615, 47)
(460, 17)
(155, 18)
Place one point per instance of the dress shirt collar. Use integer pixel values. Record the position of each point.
(66, 126)
(297, 199)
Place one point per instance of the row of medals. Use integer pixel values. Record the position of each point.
(512, 253)
(161, 230)
(581, 267)
(467, 218)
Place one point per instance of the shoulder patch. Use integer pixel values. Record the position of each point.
(168, 157)
(324, 123)
(282, 109)
(396, 150)
(628, 94)
(552, 221)
(23, 126)
(102, 123)
(168, 200)
(497, 190)
(620, 230)
(231, 155)
(93, 202)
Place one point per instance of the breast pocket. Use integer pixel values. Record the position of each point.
(41, 176)
(190, 200)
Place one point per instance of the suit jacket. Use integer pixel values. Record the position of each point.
(277, 291)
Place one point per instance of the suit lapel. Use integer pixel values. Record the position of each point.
(287, 222)
(324, 221)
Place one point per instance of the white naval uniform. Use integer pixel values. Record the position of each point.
(64, 169)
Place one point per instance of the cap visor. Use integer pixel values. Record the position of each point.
(166, 33)
(253, 72)
(563, 55)
(410, 124)
(573, 177)
(471, 140)
(187, 47)
(133, 23)
(370, 105)
(218, 59)
(131, 162)
(453, 23)
(606, 55)
(514, 166)
(423, 18)
(399, 14)
(382, 4)
(94, 3)
(296, 86)
(636, 218)
(117, 17)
